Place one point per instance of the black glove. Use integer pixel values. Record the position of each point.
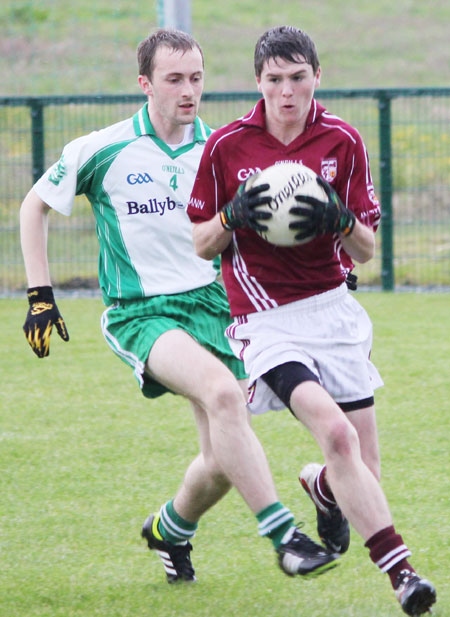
(242, 210)
(324, 216)
(352, 281)
(42, 315)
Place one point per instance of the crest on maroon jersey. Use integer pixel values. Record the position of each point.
(328, 169)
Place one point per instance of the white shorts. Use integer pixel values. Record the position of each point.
(330, 333)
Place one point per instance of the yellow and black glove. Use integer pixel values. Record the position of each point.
(42, 315)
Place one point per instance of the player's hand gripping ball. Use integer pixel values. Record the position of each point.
(243, 212)
(327, 216)
(286, 181)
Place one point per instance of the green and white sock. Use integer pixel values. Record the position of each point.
(274, 521)
(172, 527)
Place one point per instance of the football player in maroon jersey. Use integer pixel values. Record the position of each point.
(304, 338)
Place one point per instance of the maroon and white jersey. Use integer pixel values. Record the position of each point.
(259, 276)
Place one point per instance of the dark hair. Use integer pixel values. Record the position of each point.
(285, 42)
(174, 39)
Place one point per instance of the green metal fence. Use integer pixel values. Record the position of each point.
(407, 133)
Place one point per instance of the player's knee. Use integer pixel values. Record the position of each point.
(342, 439)
(225, 398)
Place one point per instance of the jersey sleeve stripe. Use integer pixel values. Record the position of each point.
(241, 128)
(349, 181)
(216, 197)
(340, 128)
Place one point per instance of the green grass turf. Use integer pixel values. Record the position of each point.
(84, 458)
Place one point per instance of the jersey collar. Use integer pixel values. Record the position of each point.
(143, 126)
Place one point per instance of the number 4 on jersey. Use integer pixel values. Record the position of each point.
(173, 182)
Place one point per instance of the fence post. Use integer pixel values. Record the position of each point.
(387, 224)
(175, 14)
(37, 138)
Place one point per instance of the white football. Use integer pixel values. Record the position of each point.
(286, 180)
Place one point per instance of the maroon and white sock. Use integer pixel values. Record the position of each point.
(389, 553)
(323, 491)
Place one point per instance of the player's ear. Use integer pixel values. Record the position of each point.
(145, 84)
(318, 76)
(258, 83)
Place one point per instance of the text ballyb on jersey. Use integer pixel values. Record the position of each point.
(153, 206)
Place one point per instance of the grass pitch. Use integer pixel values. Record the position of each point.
(84, 458)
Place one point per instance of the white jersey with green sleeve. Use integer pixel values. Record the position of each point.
(138, 187)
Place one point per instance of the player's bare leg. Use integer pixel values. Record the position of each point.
(332, 526)
(356, 489)
(230, 449)
(182, 365)
(204, 482)
(359, 494)
(364, 421)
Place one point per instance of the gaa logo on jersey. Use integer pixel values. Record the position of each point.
(244, 174)
(328, 169)
(139, 178)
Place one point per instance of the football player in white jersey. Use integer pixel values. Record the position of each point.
(166, 313)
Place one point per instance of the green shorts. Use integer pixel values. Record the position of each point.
(131, 328)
